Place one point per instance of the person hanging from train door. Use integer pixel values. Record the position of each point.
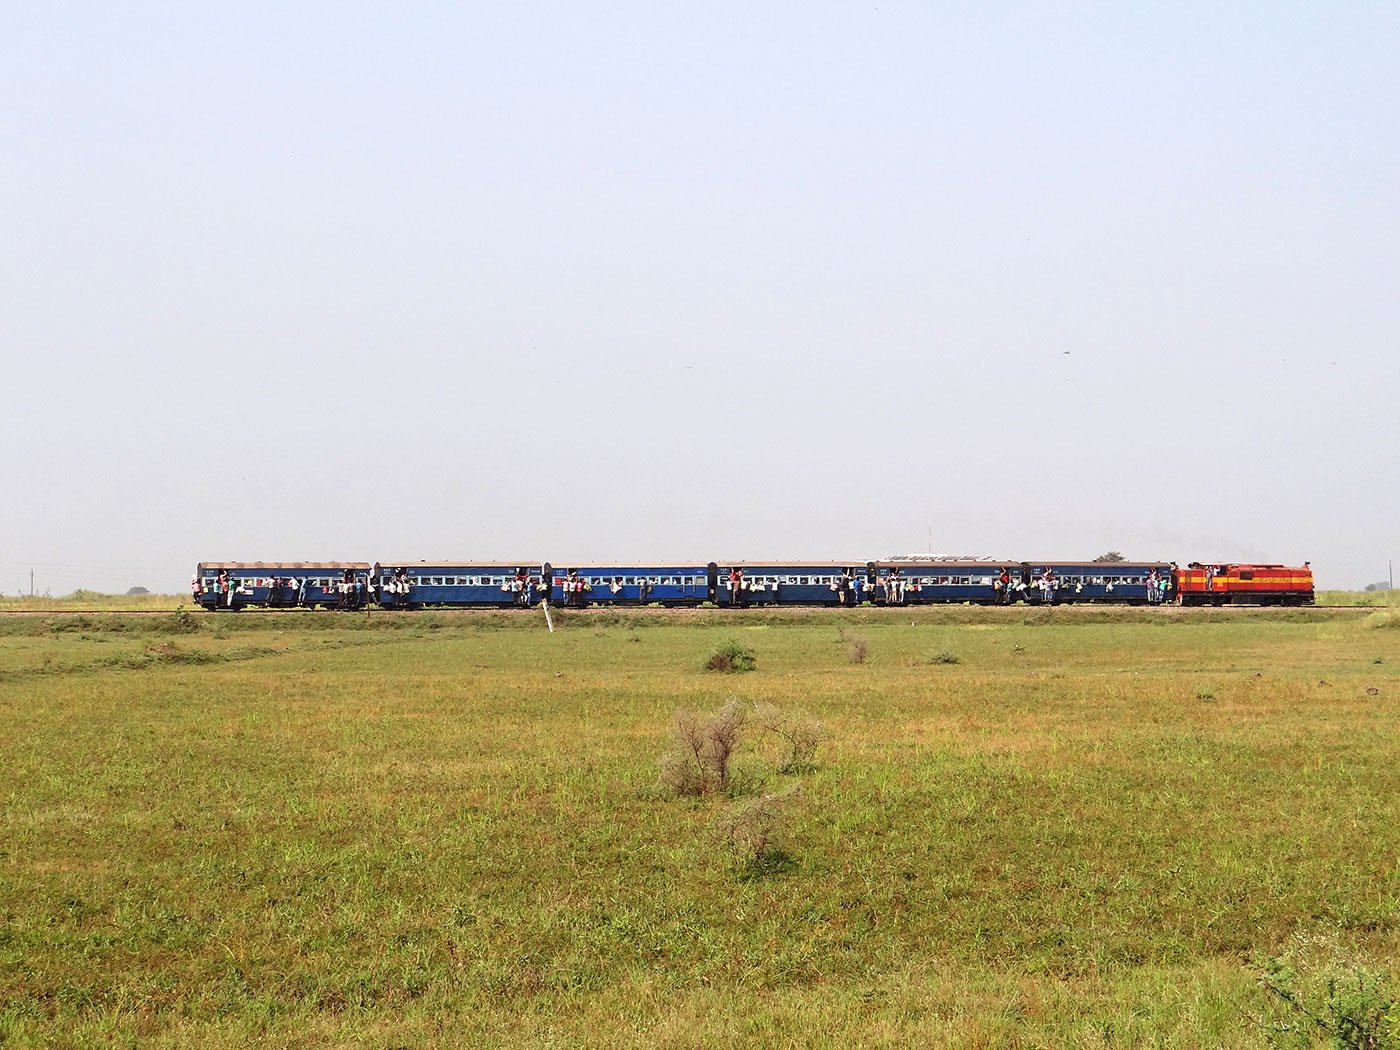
(894, 587)
(573, 589)
(520, 584)
(1154, 590)
(1210, 577)
(736, 586)
(843, 587)
(1048, 583)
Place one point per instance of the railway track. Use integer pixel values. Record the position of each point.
(1206, 610)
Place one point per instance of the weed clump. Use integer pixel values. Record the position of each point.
(701, 758)
(705, 748)
(857, 647)
(800, 737)
(731, 658)
(1324, 990)
(754, 831)
(944, 657)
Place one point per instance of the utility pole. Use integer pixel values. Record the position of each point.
(1391, 563)
(31, 583)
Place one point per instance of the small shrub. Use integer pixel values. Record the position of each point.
(800, 736)
(857, 647)
(1383, 620)
(703, 748)
(944, 657)
(181, 621)
(1326, 991)
(731, 658)
(754, 830)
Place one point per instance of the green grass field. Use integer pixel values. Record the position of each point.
(1090, 830)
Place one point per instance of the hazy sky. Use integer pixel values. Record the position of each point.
(623, 281)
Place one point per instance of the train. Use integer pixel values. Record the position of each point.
(228, 586)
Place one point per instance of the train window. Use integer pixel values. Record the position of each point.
(962, 580)
(1246, 574)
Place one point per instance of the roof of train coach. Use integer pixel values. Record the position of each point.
(854, 563)
(559, 566)
(1102, 566)
(444, 563)
(282, 565)
(935, 563)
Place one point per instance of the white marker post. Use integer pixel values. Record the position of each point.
(547, 618)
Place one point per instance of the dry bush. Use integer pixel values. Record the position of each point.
(754, 829)
(799, 735)
(701, 759)
(857, 647)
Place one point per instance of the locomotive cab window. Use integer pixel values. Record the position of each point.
(1246, 574)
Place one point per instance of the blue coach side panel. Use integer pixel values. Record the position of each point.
(929, 582)
(743, 583)
(1088, 581)
(234, 585)
(576, 584)
(458, 583)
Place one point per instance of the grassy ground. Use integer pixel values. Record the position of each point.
(324, 830)
(92, 601)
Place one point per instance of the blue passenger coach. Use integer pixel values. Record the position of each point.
(926, 582)
(1094, 581)
(449, 583)
(642, 584)
(233, 585)
(741, 583)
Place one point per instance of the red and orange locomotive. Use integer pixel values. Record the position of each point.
(1234, 584)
